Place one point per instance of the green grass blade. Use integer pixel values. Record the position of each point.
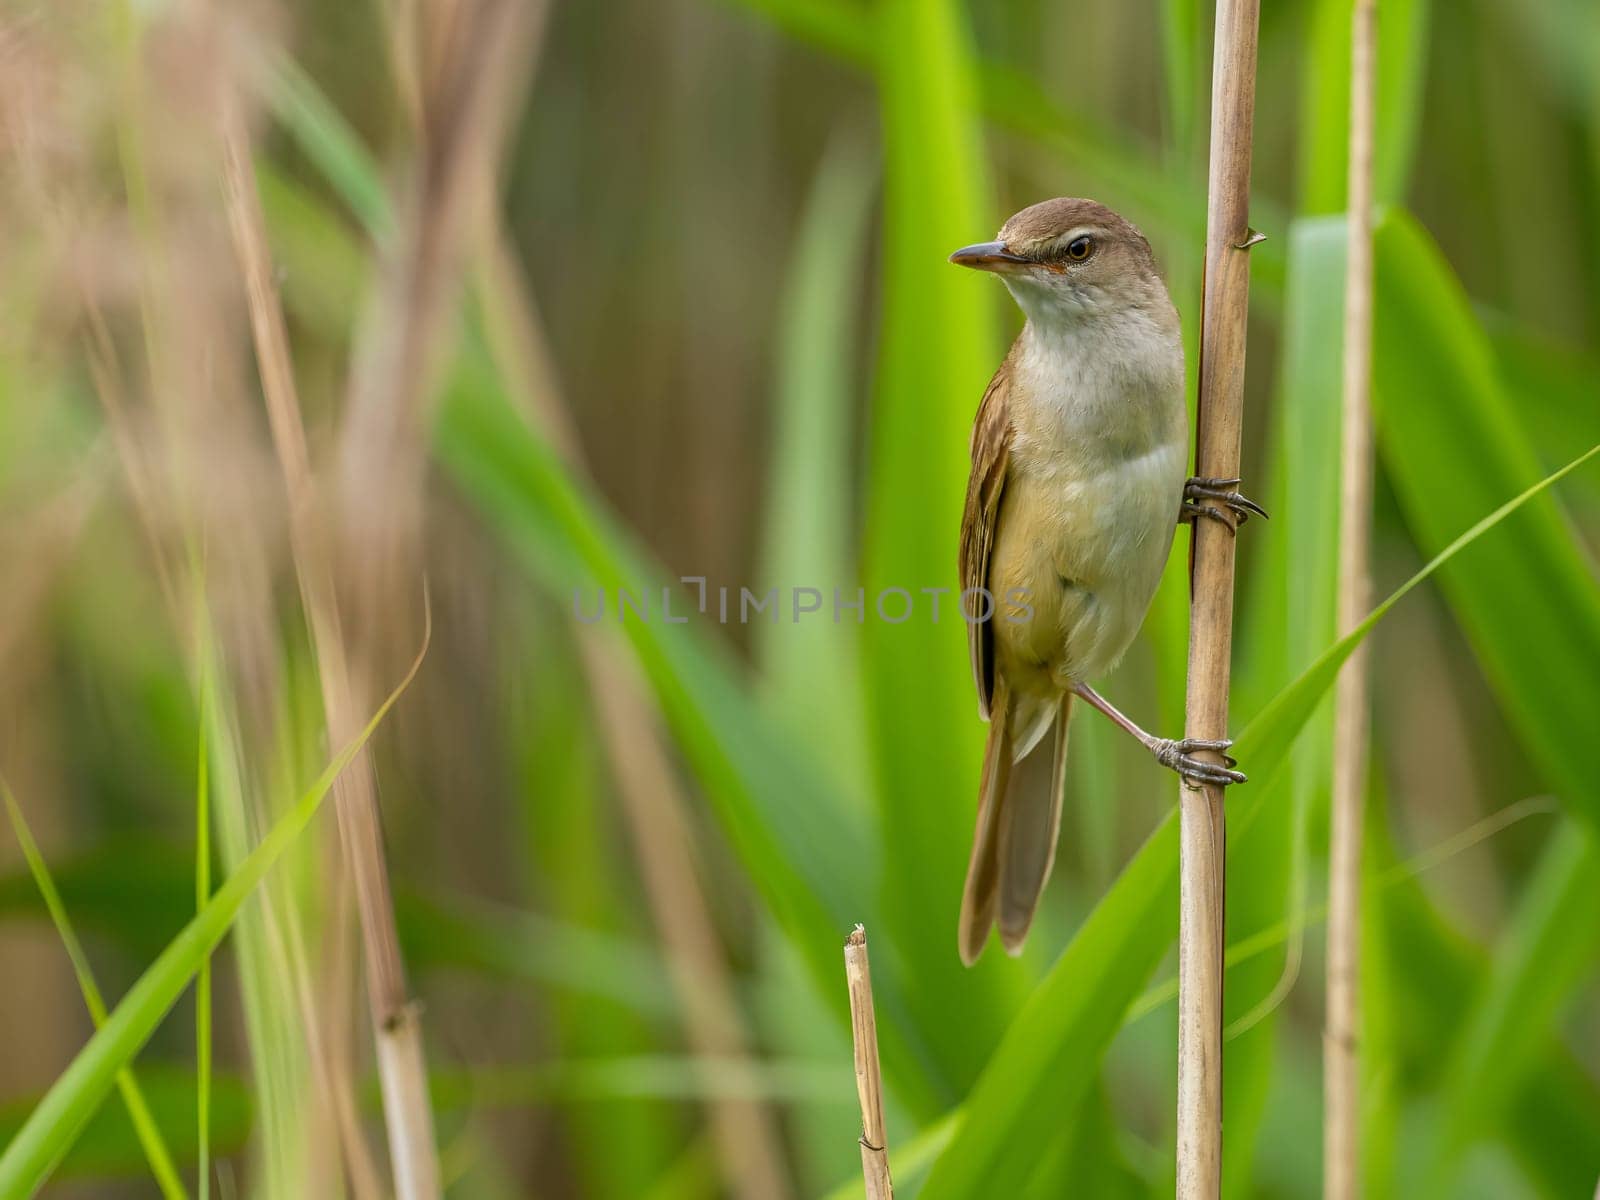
(280, 1068)
(1180, 64)
(1548, 950)
(1242, 950)
(810, 676)
(573, 545)
(202, 983)
(1414, 970)
(804, 847)
(325, 266)
(330, 143)
(1402, 71)
(1451, 441)
(937, 348)
(1126, 174)
(1292, 619)
(1553, 387)
(1048, 1058)
(1379, 1053)
(797, 836)
(60, 1116)
(1440, 403)
(1402, 78)
(109, 1146)
(1432, 972)
(619, 1149)
(1256, 989)
(836, 27)
(811, 673)
(1553, 1125)
(149, 1134)
(127, 890)
(1288, 712)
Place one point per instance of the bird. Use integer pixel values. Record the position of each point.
(1078, 481)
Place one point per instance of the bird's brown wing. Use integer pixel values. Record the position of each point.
(991, 452)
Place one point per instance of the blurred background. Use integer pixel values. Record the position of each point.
(306, 304)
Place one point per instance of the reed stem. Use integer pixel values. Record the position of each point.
(1341, 1158)
(402, 1071)
(1219, 420)
(869, 1078)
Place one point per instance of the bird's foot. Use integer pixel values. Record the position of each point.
(1235, 508)
(1178, 755)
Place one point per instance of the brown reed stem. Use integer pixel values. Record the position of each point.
(1219, 420)
(1341, 1161)
(869, 1078)
(474, 50)
(401, 1066)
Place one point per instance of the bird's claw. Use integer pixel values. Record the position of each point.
(1177, 754)
(1220, 491)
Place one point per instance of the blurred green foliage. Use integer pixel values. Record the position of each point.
(731, 217)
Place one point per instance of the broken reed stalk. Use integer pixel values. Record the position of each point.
(402, 1069)
(1219, 418)
(1341, 1158)
(869, 1078)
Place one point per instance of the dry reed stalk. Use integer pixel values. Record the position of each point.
(106, 373)
(746, 1136)
(333, 1088)
(382, 473)
(475, 65)
(1218, 421)
(1341, 1161)
(156, 497)
(327, 1040)
(402, 1073)
(869, 1078)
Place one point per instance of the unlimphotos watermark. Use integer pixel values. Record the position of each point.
(743, 606)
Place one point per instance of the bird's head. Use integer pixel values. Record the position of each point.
(1068, 260)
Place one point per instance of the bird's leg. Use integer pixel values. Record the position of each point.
(1177, 755)
(1235, 510)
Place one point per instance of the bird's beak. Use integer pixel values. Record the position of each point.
(987, 256)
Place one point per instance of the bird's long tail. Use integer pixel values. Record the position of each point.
(1014, 844)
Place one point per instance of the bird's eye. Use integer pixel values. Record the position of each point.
(1079, 248)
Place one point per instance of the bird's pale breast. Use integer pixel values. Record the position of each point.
(1089, 507)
